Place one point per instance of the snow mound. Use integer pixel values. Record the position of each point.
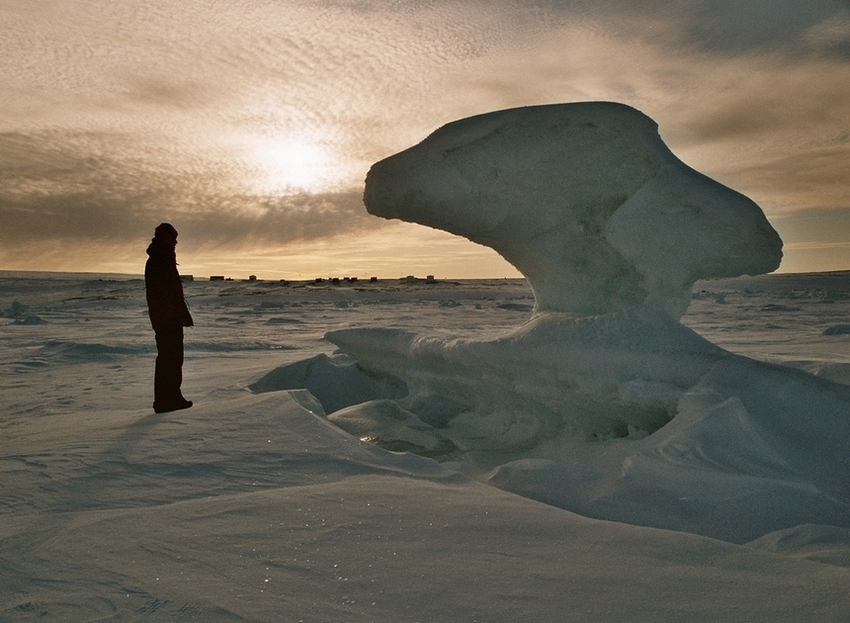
(15, 310)
(578, 378)
(387, 425)
(825, 544)
(337, 382)
(584, 199)
(88, 351)
(736, 463)
(838, 329)
(628, 417)
(30, 319)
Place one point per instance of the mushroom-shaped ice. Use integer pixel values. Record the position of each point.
(584, 199)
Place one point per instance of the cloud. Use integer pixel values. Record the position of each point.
(55, 187)
(816, 239)
(87, 232)
(827, 226)
(746, 25)
(118, 115)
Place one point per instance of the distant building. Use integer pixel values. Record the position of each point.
(187, 277)
(216, 277)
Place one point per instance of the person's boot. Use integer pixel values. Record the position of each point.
(175, 405)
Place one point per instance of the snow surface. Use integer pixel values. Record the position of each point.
(255, 506)
(584, 199)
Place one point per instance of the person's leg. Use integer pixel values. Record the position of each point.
(168, 376)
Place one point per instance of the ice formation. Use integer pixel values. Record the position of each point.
(602, 402)
(610, 229)
(584, 199)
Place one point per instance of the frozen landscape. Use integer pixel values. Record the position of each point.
(635, 433)
(252, 507)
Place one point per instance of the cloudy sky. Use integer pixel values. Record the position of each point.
(250, 124)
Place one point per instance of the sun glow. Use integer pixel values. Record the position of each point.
(292, 164)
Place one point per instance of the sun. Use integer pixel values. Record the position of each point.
(291, 165)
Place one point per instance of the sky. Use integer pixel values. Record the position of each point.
(250, 124)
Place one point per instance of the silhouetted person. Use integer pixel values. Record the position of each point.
(169, 314)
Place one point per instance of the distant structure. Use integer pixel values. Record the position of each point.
(216, 277)
(187, 277)
(414, 279)
(252, 277)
